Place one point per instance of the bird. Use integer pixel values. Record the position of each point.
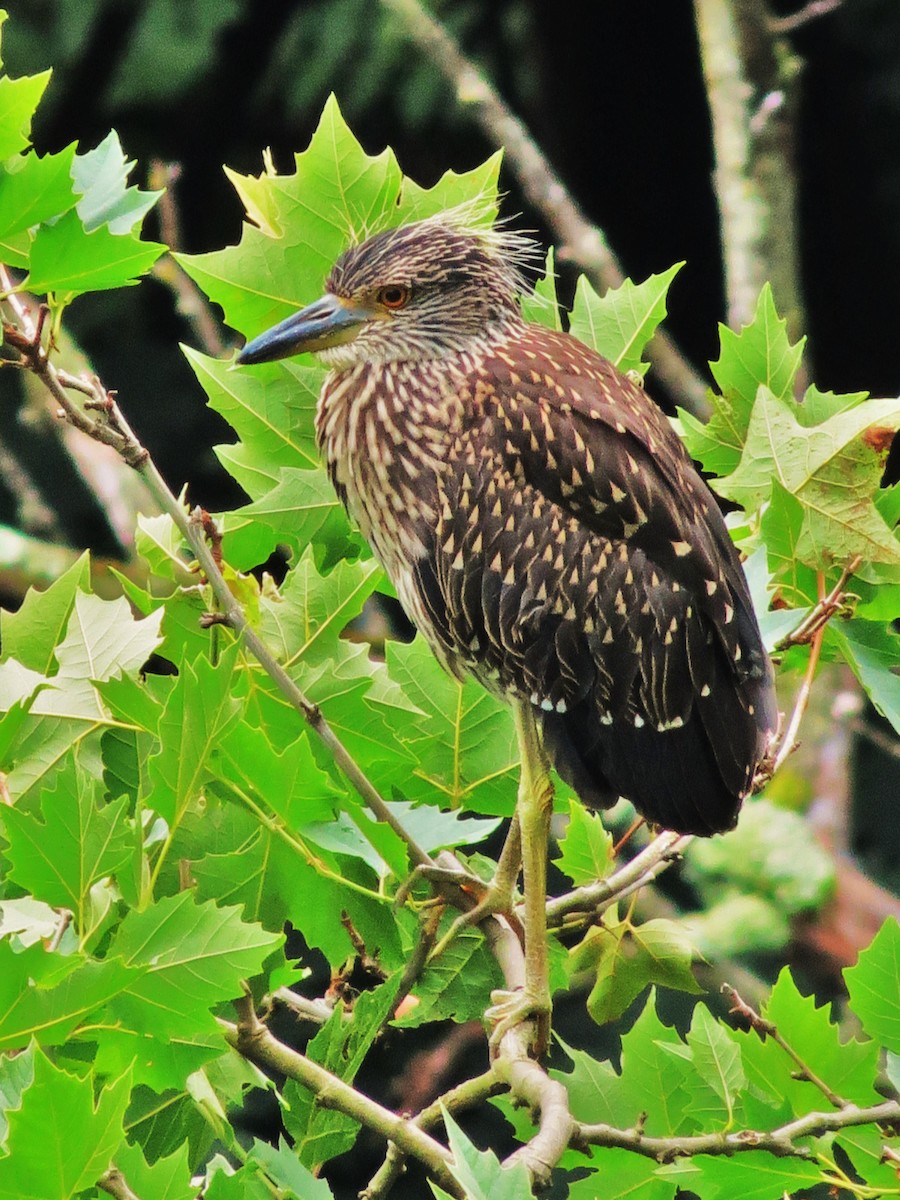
(545, 531)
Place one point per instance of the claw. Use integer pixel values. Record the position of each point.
(511, 1009)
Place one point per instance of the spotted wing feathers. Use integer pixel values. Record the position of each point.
(581, 562)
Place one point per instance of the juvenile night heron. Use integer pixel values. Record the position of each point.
(545, 531)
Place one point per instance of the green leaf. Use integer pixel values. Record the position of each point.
(47, 996)
(848, 1067)
(874, 986)
(289, 784)
(865, 1145)
(167, 1179)
(872, 650)
(302, 509)
(79, 841)
(38, 190)
(193, 955)
(31, 635)
(653, 1085)
(67, 261)
(541, 306)
(626, 958)
(621, 323)
(162, 1122)
(61, 1140)
(272, 409)
(760, 355)
(234, 861)
(782, 528)
(829, 468)
(622, 1175)
(199, 710)
(304, 222)
(457, 985)
(16, 1075)
(18, 100)
(717, 1058)
(102, 639)
(101, 177)
(464, 744)
(282, 1166)
(340, 1046)
(480, 1173)
(753, 1175)
(305, 619)
(585, 848)
(476, 189)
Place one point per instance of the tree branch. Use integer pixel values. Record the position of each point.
(114, 1182)
(593, 898)
(750, 90)
(581, 242)
(767, 1029)
(741, 210)
(253, 1040)
(781, 1142)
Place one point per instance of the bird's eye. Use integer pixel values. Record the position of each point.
(394, 296)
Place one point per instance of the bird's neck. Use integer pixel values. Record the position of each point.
(385, 431)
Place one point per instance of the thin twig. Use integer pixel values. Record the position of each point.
(465, 1095)
(810, 12)
(789, 740)
(768, 1029)
(317, 1011)
(593, 898)
(66, 917)
(822, 611)
(811, 630)
(581, 242)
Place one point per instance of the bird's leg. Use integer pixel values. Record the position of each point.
(533, 815)
(494, 898)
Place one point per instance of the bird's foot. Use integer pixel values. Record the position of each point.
(509, 1010)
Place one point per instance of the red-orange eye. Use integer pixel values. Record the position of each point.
(394, 295)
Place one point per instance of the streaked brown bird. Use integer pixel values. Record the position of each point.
(545, 531)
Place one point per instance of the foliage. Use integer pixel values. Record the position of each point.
(162, 828)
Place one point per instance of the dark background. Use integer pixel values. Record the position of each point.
(611, 89)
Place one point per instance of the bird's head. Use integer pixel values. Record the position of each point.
(419, 291)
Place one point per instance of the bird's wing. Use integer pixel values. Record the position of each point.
(579, 560)
(584, 436)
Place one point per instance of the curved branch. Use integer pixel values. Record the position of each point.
(254, 1041)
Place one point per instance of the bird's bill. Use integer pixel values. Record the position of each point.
(325, 323)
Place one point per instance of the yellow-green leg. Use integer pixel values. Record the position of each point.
(533, 811)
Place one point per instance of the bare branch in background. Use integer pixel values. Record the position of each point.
(190, 301)
(750, 82)
(581, 242)
(810, 12)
